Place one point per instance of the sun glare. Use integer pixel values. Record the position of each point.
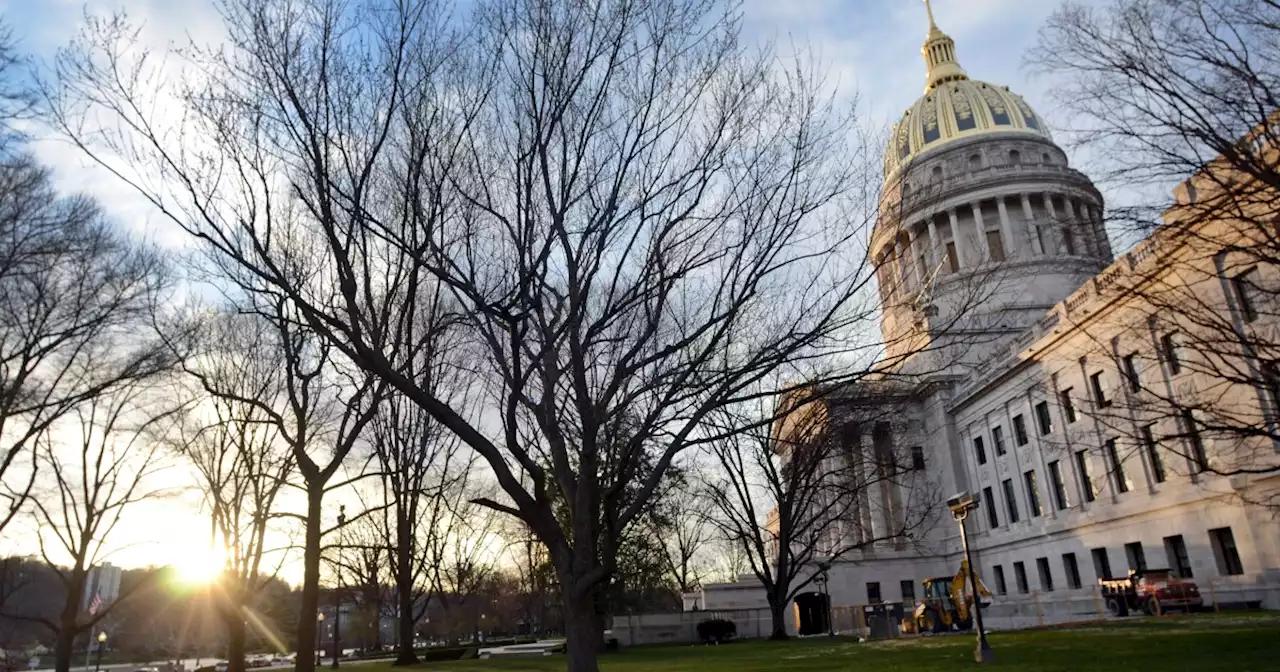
(200, 568)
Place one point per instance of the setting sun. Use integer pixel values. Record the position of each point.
(200, 568)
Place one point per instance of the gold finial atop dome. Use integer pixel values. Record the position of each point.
(940, 55)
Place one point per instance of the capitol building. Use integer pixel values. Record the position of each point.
(1019, 353)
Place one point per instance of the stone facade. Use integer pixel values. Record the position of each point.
(1005, 319)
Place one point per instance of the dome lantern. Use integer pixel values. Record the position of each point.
(939, 52)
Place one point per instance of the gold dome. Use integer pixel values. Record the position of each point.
(955, 107)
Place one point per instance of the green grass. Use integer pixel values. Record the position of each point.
(1204, 643)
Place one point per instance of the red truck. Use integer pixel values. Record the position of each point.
(1150, 591)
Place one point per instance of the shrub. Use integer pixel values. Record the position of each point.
(717, 630)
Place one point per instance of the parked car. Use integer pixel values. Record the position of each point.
(1150, 591)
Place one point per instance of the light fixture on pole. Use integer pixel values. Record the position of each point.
(824, 578)
(960, 505)
(102, 644)
(319, 629)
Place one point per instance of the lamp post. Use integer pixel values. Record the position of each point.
(960, 506)
(337, 602)
(823, 578)
(102, 644)
(319, 630)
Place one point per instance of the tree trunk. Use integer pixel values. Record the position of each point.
(65, 642)
(778, 616)
(309, 600)
(583, 629)
(235, 640)
(404, 590)
(64, 645)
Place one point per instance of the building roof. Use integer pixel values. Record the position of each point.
(955, 107)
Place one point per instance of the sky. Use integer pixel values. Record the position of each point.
(871, 47)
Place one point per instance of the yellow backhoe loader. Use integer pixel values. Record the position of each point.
(947, 603)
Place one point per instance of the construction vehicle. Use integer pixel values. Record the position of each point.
(947, 604)
(1150, 591)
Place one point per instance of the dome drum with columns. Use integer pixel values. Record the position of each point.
(980, 215)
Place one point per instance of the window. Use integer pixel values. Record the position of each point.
(995, 245)
(1117, 467)
(1086, 480)
(1099, 394)
(1271, 385)
(917, 458)
(1199, 461)
(1169, 347)
(908, 588)
(1043, 419)
(1131, 372)
(980, 450)
(1176, 550)
(1101, 564)
(1068, 408)
(1040, 239)
(1136, 556)
(1014, 157)
(953, 260)
(1010, 500)
(1246, 289)
(998, 572)
(975, 161)
(1153, 453)
(1033, 493)
(1072, 569)
(1069, 241)
(997, 435)
(1020, 430)
(873, 592)
(993, 517)
(1020, 577)
(1224, 551)
(1046, 577)
(1058, 486)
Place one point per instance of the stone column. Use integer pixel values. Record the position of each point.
(956, 239)
(984, 253)
(1055, 230)
(920, 272)
(1006, 229)
(1030, 225)
(1084, 233)
(935, 245)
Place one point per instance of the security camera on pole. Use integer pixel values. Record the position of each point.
(960, 505)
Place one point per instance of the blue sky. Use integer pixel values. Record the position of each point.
(871, 47)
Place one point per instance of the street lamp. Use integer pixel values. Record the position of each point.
(337, 601)
(102, 644)
(823, 578)
(960, 505)
(319, 630)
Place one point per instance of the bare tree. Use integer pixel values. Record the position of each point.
(100, 460)
(804, 493)
(1165, 92)
(71, 285)
(242, 465)
(640, 217)
(683, 532)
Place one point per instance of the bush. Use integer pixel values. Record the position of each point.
(717, 631)
(438, 653)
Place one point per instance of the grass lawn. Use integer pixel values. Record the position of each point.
(1234, 642)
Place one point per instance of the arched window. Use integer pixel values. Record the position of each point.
(936, 174)
(1045, 158)
(975, 161)
(1015, 157)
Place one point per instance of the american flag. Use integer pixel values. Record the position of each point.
(95, 603)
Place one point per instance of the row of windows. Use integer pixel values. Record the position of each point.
(1226, 555)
